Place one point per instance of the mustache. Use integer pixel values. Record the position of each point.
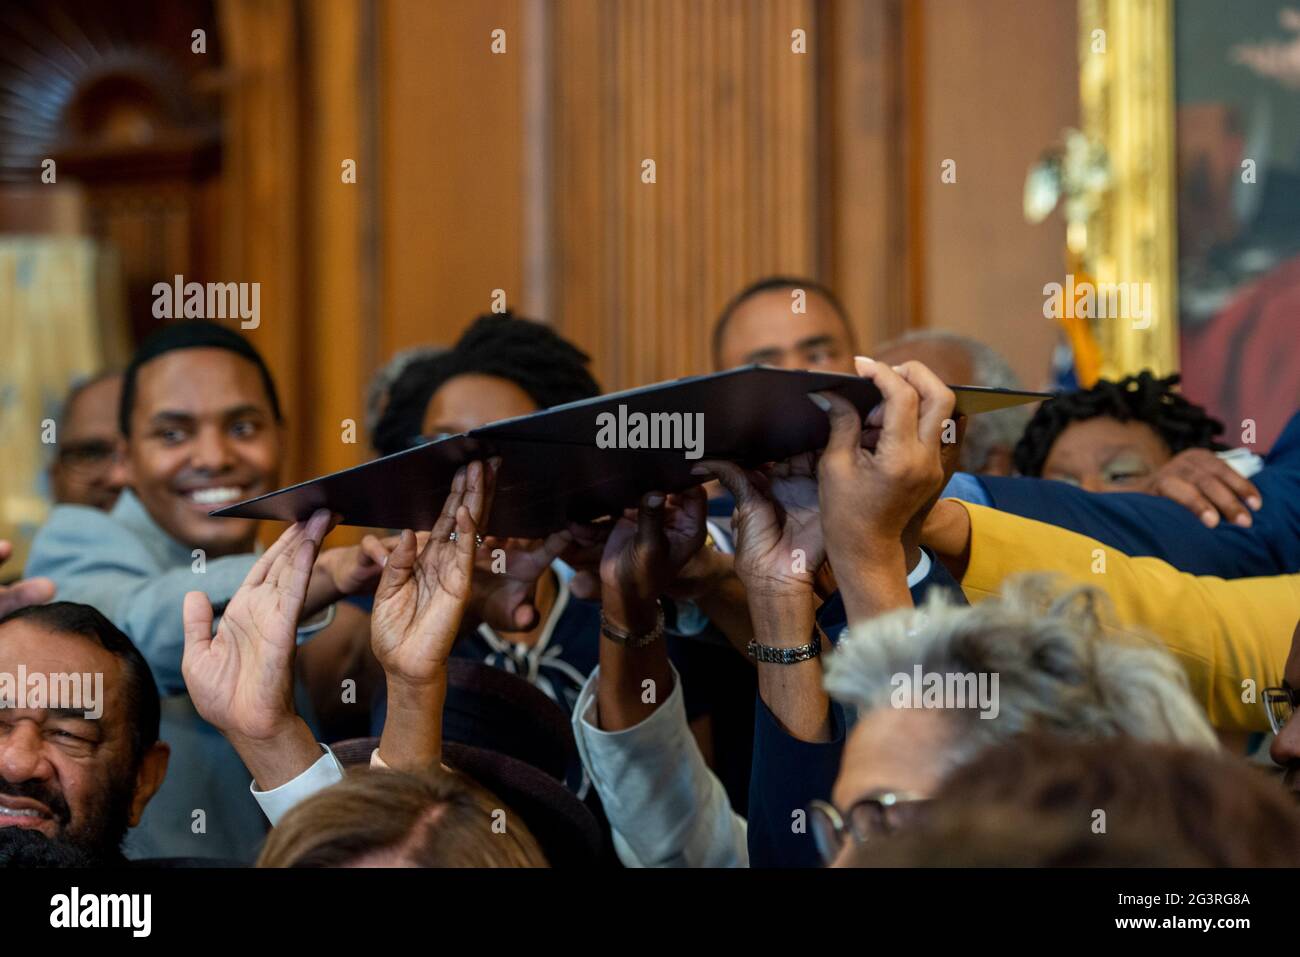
(35, 791)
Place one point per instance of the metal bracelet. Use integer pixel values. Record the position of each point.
(767, 654)
(629, 639)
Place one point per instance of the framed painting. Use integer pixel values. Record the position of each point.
(1197, 104)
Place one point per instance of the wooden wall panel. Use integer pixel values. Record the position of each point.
(999, 87)
(262, 231)
(298, 104)
(865, 137)
(451, 158)
(715, 96)
(340, 256)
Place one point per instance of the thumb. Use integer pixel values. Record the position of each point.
(555, 545)
(732, 477)
(650, 519)
(196, 613)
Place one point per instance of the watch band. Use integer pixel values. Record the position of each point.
(767, 654)
(630, 639)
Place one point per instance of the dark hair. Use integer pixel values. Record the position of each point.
(191, 334)
(1034, 801)
(142, 701)
(1140, 398)
(548, 367)
(26, 848)
(767, 285)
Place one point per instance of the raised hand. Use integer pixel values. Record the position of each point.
(354, 569)
(241, 679)
(778, 532)
(29, 591)
(1199, 480)
(643, 552)
(503, 596)
(649, 545)
(874, 499)
(586, 546)
(422, 595)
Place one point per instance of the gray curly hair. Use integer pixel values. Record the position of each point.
(1057, 668)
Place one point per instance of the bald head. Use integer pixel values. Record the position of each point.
(958, 360)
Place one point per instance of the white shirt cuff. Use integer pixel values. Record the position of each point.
(922, 569)
(277, 802)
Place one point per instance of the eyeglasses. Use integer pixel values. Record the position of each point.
(1280, 703)
(877, 814)
(92, 455)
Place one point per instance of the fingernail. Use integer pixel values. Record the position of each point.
(863, 359)
(1210, 518)
(700, 470)
(654, 501)
(1255, 503)
(1243, 520)
(820, 401)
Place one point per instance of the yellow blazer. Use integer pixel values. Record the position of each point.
(1232, 635)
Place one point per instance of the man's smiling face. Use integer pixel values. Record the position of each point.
(203, 435)
(69, 778)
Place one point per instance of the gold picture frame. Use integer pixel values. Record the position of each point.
(1126, 89)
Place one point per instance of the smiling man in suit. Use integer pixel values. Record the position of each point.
(202, 427)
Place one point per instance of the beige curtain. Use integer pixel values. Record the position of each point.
(61, 319)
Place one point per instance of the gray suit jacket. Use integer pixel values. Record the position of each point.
(124, 564)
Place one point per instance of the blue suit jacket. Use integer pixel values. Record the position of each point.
(1161, 528)
(788, 773)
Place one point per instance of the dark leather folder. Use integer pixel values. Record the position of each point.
(558, 465)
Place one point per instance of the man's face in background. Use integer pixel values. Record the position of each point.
(766, 329)
(71, 779)
(88, 468)
(203, 436)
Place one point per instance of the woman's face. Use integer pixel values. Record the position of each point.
(1106, 455)
(468, 401)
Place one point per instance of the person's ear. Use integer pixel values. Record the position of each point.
(149, 778)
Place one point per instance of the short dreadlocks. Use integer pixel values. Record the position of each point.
(548, 367)
(1140, 398)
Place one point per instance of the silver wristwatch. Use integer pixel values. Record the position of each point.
(787, 656)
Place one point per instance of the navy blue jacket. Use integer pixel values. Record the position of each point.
(1146, 525)
(788, 773)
